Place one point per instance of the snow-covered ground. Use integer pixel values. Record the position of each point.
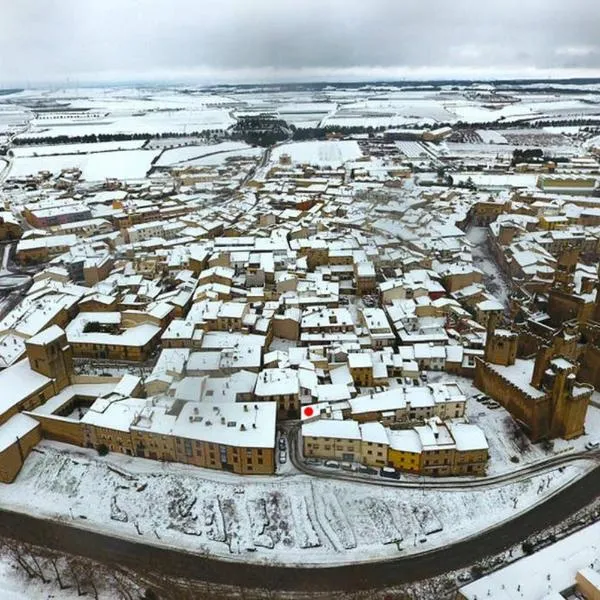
(20, 151)
(503, 436)
(489, 136)
(553, 568)
(524, 180)
(121, 164)
(221, 157)
(184, 154)
(15, 585)
(126, 120)
(288, 519)
(326, 154)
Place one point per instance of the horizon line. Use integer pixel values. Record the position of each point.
(70, 84)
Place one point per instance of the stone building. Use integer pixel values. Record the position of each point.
(435, 448)
(543, 395)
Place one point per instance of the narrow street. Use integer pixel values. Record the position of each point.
(493, 278)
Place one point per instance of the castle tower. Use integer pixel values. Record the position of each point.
(565, 343)
(565, 270)
(568, 400)
(490, 328)
(542, 359)
(500, 344)
(50, 354)
(596, 316)
(502, 347)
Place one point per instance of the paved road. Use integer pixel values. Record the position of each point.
(452, 483)
(66, 537)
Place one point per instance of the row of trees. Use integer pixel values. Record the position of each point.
(84, 576)
(527, 155)
(113, 137)
(321, 133)
(99, 581)
(533, 155)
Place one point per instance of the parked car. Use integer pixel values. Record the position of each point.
(312, 461)
(282, 445)
(389, 473)
(332, 464)
(592, 445)
(493, 404)
(367, 470)
(346, 466)
(282, 457)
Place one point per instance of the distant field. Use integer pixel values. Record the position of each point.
(328, 154)
(123, 164)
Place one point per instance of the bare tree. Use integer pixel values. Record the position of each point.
(15, 550)
(122, 585)
(74, 567)
(53, 558)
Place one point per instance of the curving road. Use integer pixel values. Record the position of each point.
(443, 483)
(69, 538)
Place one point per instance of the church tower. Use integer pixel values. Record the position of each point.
(50, 354)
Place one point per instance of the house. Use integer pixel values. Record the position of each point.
(282, 387)
(104, 336)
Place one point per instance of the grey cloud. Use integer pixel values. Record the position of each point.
(56, 39)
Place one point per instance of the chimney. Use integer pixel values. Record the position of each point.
(541, 364)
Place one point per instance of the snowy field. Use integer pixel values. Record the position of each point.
(358, 119)
(122, 164)
(524, 180)
(21, 151)
(221, 157)
(488, 136)
(305, 114)
(156, 111)
(152, 123)
(186, 154)
(122, 110)
(159, 111)
(324, 154)
(282, 520)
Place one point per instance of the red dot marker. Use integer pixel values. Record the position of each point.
(308, 411)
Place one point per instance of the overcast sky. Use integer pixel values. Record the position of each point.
(269, 40)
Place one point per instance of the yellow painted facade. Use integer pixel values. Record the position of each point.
(13, 456)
